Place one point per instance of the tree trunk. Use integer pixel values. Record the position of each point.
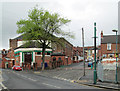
(43, 56)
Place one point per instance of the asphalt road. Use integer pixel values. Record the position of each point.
(22, 80)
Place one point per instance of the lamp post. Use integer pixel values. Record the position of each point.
(116, 55)
(95, 72)
(83, 50)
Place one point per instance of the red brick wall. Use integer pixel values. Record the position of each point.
(10, 55)
(13, 43)
(105, 51)
(57, 57)
(63, 59)
(67, 49)
(17, 60)
(38, 60)
(4, 61)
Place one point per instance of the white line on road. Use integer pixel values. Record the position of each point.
(51, 85)
(3, 86)
(32, 79)
(62, 79)
(25, 77)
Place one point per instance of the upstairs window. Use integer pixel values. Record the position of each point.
(109, 46)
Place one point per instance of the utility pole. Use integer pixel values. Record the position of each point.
(95, 72)
(116, 55)
(83, 50)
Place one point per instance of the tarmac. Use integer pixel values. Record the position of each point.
(2, 87)
(72, 74)
(75, 75)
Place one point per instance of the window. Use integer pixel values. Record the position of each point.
(104, 55)
(92, 51)
(38, 53)
(110, 55)
(5, 52)
(109, 46)
(59, 58)
(48, 53)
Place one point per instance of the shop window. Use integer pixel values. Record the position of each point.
(39, 53)
(48, 53)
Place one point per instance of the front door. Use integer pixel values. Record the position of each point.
(28, 59)
(13, 62)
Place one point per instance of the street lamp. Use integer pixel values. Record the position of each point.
(95, 72)
(116, 55)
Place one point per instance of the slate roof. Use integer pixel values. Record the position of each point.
(110, 39)
(31, 45)
(19, 37)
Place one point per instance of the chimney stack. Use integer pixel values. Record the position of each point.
(101, 35)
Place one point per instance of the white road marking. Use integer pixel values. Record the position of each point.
(3, 86)
(62, 79)
(25, 76)
(31, 79)
(62, 74)
(50, 85)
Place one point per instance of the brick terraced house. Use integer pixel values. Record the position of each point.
(3, 53)
(108, 46)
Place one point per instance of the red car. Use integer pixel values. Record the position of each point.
(17, 68)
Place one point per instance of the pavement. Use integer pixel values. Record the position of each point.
(89, 81)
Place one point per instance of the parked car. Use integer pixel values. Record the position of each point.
(90, 64)
(17, 68)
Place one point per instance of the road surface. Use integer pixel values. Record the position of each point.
(22, 80)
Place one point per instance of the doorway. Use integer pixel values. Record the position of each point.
(13, 63)
(28, 59)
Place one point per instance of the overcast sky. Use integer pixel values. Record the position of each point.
(82, 13)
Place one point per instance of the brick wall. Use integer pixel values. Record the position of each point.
(105, 51)
(13, 43)
(38, 60)
(67, 49)
(17, 60)
(9, 55)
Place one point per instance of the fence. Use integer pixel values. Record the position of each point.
(107, 72)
